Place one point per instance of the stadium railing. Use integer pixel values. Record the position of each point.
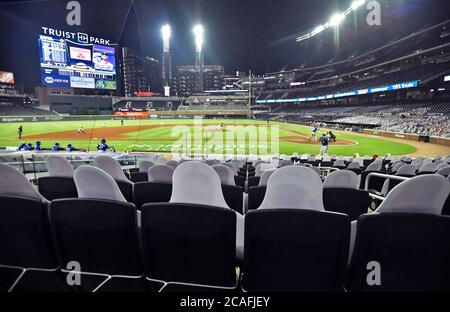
(381, 175)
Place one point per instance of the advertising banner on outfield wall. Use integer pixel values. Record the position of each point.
(137, 115)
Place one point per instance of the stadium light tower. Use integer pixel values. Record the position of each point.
(198, 32)
(199, 61)
(166, 33)
(166, 60)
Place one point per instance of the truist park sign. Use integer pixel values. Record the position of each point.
(74, 36)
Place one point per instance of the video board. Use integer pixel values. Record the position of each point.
(6, 77)
(65, 63)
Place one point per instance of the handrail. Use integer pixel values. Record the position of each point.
(382, 175)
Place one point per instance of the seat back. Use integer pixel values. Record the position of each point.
(375, 183)
(160, 174)
(233, 197)
(294, 187)
(111, 166)
(445, 171)
(286, 163)
(341, 179)
(25, 242)
(240, 181)
(354, 165)
(144, 165)
(253, 181)
(352, 202)
(58, 166)
(189, 244)
(94, 183)
(14, 183)
(226, 175)
(265, 177)
(256, 196)
(423, 194)
(172, 163)
(427, 168)
(231, 166)
(412, 250)
(197, 183)
(57, 187)
(138, 177)
(151, 192)
(295, 250)
(101, 235)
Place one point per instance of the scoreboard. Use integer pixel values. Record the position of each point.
(65, 63)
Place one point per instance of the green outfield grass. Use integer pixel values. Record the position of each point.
(247, 136)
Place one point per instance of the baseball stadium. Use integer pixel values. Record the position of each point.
(186, 164)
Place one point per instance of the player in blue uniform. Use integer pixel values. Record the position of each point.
(325, 143)
(102, 146)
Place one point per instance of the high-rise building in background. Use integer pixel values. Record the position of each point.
(187, 79)
(166, 66)
(140, 74)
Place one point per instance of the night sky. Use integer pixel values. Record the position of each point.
(240, 34)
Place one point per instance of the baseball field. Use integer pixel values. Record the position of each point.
(205, 136)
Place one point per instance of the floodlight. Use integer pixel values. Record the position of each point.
(198, 32)
(166, 32)
(318, 29)
(337, 19)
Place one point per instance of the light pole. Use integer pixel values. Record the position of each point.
(166, 60)
(199, 61)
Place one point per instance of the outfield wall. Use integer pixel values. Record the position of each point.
(12, 119)
(406, 136)
(151, 115)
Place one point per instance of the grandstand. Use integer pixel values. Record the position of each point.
(216, 104)
(331, 176)
(422, 56)
(19, 110)
(165, 201)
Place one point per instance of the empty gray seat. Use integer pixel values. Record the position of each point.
(286, 163)
(112, 167)
(442, 166)
(94, 183)
(58, 166)
(339, 163)
(294, 187)
(375, 166)
(14, 183)
(354, 165)
(397, 166)
(407, 170)
(197, 183)
(265, 177)
(428, 168)
(444, 171)
(226, 175)
(172, 163)
(425, 194)
(342, 179)
(144, 165)
(231, 166)
(160, 174)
